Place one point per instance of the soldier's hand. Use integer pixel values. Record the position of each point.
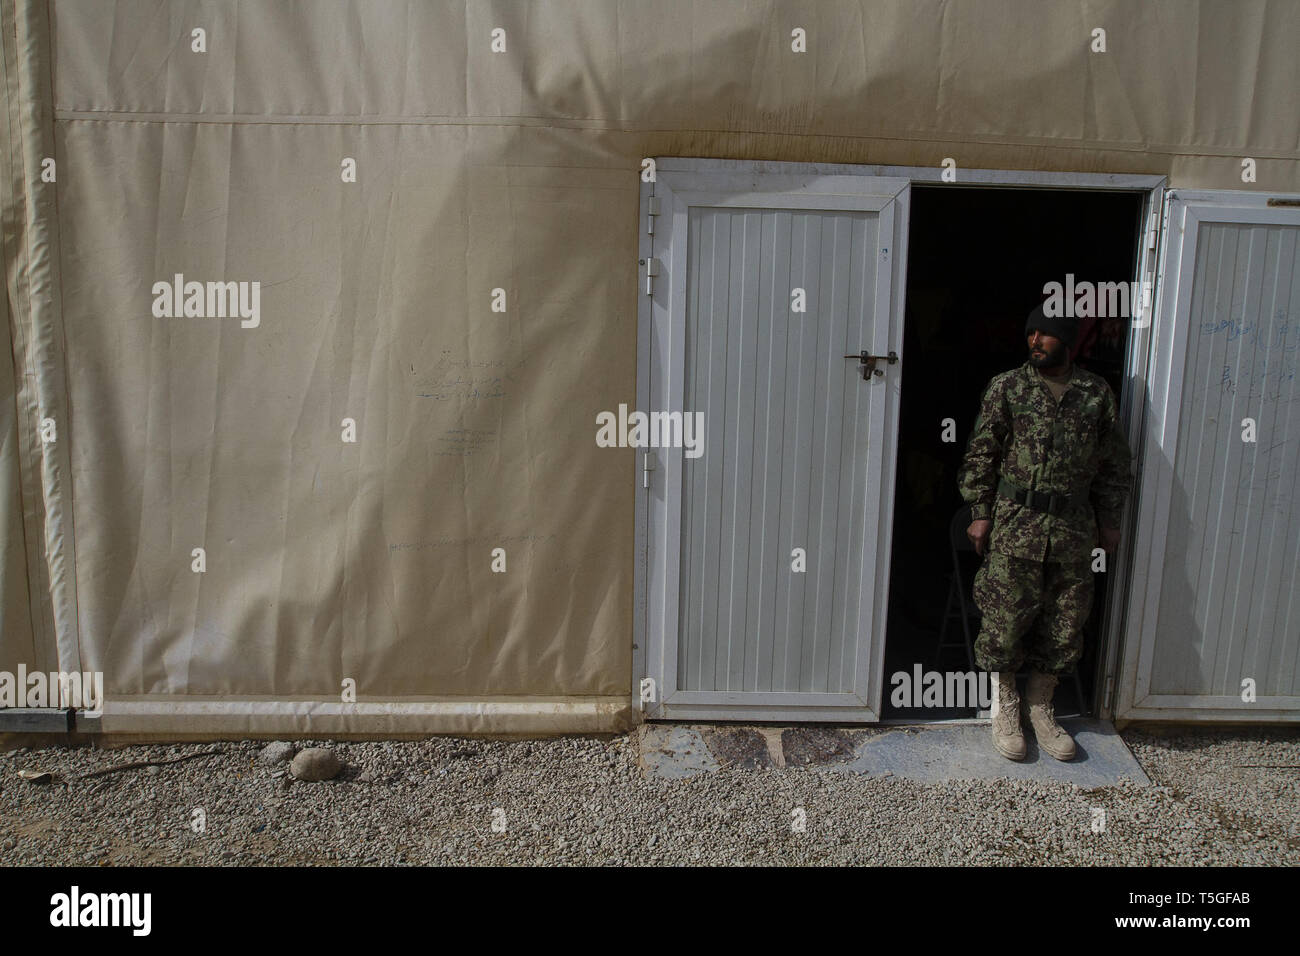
(1110, 540)
(978, 532)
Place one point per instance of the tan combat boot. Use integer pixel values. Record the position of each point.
(1008, 738)
(1052, 738)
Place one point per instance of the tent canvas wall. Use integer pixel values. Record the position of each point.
(236, 517)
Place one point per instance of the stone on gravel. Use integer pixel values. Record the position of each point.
(315, 763)
(277, 753)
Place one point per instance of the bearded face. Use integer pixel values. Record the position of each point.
(1046, 351)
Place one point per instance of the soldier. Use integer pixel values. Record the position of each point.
(1045, 466)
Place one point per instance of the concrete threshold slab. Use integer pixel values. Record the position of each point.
(924, 753)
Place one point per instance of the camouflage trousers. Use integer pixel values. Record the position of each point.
(1033, 611)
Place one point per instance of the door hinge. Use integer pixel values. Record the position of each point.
(1109, 696)
(648, 464)
(651, 270)
(653, 205)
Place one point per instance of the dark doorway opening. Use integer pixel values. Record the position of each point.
(978, 259)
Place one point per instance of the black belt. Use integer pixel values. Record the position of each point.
(1053, 504)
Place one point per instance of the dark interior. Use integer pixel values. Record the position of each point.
(978, 259)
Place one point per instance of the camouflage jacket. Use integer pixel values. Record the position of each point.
(1073, 448)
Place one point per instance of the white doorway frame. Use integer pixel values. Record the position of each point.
(1133, 392)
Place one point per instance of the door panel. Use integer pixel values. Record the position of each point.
(1219, 521)
(798, 448)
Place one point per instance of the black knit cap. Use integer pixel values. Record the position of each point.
(1065, 328)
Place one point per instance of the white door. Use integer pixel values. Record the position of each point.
(766, 549)
(1213, 628)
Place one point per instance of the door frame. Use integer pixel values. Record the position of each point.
(1138, 350)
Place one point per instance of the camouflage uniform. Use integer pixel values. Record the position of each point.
(1035, 586)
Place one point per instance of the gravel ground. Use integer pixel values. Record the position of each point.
(586, 801)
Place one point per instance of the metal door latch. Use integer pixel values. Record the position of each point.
(868, 366)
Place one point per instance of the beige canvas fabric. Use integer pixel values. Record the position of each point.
(371, 561)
